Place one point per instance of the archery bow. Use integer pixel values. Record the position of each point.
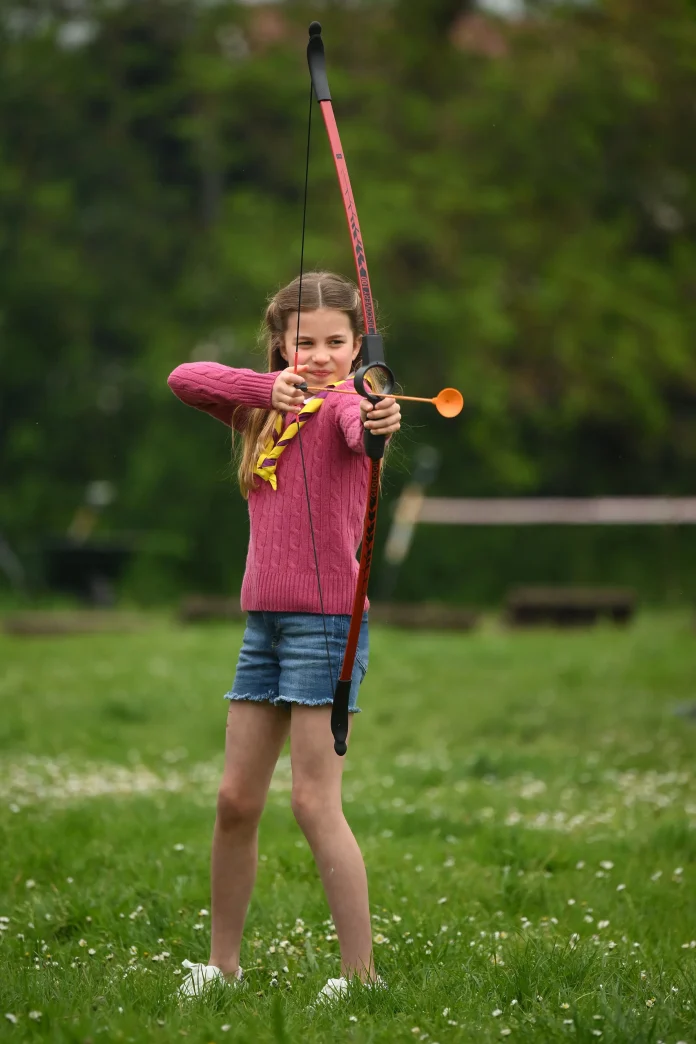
(372, 357)
(449, 402)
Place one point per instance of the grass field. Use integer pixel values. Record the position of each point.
(526, 804)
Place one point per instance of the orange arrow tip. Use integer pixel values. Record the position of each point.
(449, 402)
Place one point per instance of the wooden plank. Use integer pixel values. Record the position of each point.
(558, 511)
(40, 623)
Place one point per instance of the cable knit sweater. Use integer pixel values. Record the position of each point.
(280, 574)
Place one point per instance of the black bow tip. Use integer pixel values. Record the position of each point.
(340, 746)
(315, 29)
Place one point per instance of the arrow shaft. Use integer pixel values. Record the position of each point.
(349, 391)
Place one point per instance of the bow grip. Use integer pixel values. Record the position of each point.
(339, 716)
(374, 444)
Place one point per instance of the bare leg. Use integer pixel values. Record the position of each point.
(316, 803)
(256, 733)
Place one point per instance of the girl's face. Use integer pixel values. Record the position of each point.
(326, 345)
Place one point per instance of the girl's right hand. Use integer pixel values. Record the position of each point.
(286, 396)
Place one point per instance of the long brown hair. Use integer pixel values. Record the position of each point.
(319, 290)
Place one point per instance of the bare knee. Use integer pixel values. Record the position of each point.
(237, 808)
(312, 808)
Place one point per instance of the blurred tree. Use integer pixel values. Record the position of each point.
(526, 190)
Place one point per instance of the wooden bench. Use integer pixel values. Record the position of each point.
(205, 608)
(569, 606)
(422, 616)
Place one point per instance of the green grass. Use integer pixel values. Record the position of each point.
(526, 804)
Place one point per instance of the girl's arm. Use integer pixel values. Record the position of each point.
(219, 390)
(349, 421)
(352, 417)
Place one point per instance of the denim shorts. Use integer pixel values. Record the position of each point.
(283, 659)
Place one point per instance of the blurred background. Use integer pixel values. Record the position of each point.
(524, 174)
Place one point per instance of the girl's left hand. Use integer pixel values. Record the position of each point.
(383, 419)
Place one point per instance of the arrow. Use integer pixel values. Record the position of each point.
(449, 402)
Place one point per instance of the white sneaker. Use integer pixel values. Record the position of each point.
(336, 989)
(201, 976)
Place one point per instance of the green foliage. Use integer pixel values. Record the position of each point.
(528, 211)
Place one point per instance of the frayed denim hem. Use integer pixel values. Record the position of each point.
(280, 701)
(265, 697)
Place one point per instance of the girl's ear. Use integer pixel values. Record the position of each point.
(357, 345)
(283, 348)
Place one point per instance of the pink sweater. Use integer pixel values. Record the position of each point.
(280, 573)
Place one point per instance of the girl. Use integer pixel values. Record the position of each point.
(283, 685)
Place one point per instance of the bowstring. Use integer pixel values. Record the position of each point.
(299, 432)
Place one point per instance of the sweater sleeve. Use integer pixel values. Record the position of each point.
(219, 390)
(349, 421)
(348, 418)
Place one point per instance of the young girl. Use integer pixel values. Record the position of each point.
(283, 685)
